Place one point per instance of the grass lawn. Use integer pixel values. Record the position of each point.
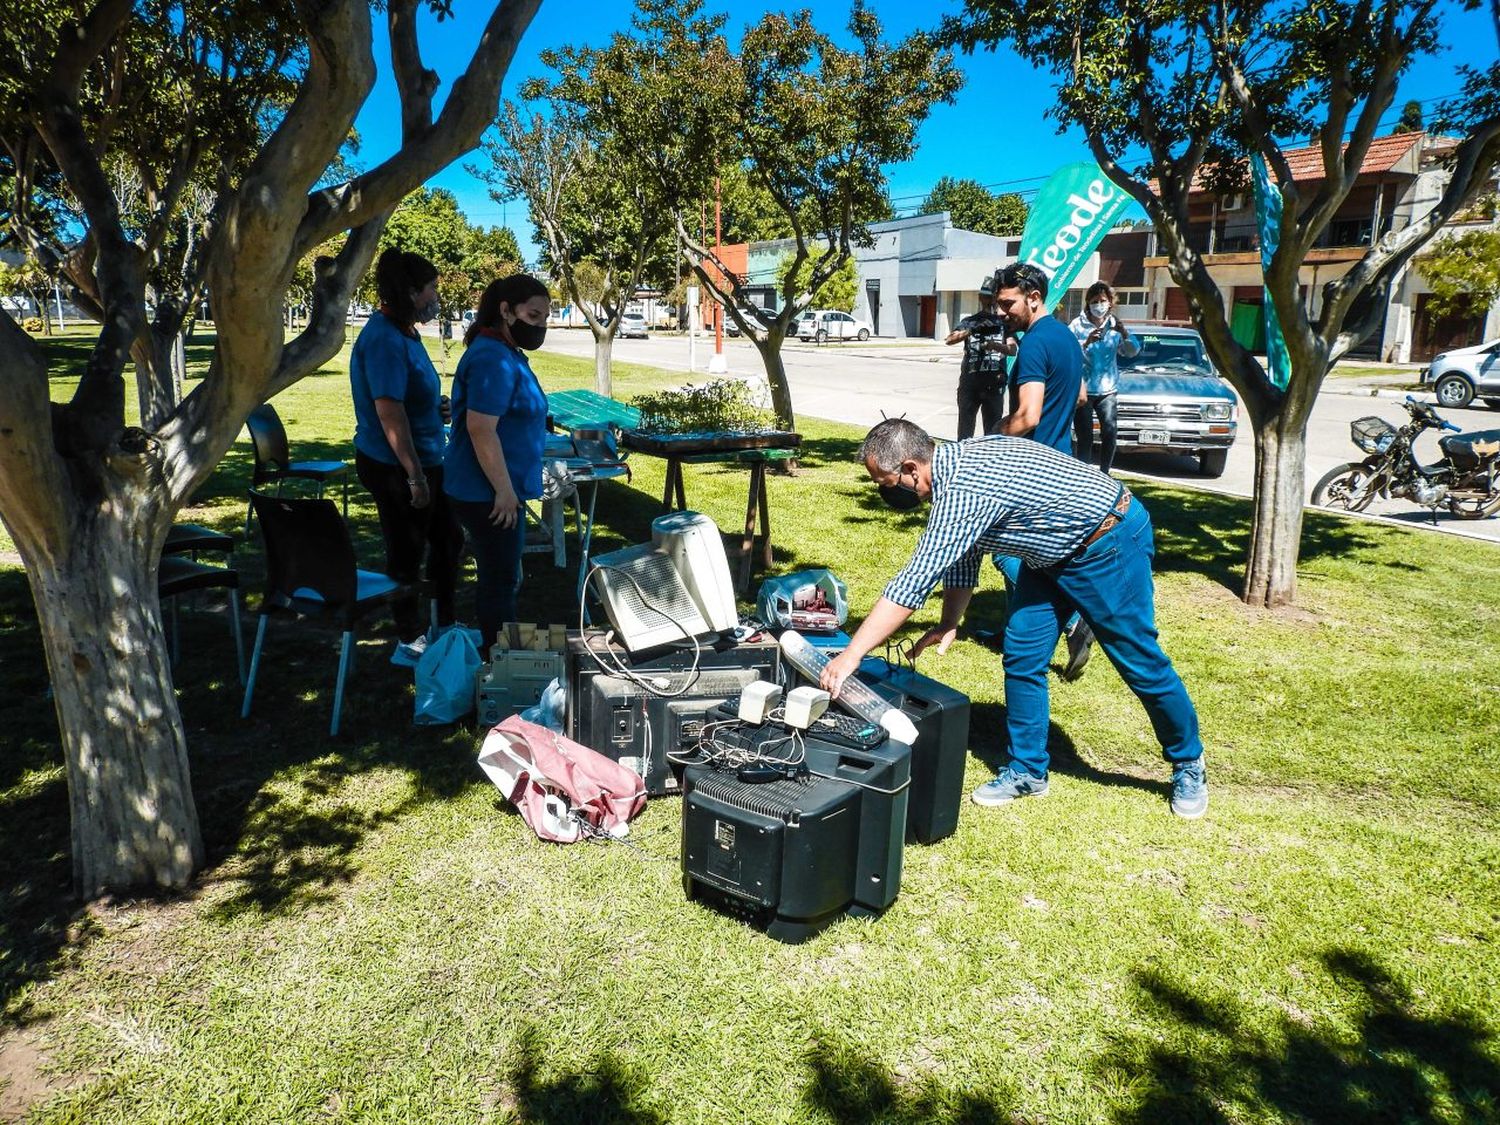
(378, 939)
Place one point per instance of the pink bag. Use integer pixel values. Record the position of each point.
(563, 790)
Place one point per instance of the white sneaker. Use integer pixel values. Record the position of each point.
(408, 654)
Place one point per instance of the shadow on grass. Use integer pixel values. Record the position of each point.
(1396, 1063)
(606, 1092)
(849, 1088)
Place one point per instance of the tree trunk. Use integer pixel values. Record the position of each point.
(129, 792)
(604, 346)
(159, 369)
(781, 392)
(1276, 530)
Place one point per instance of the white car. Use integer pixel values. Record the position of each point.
(830, 325)
(633, 324)
(1459, 375)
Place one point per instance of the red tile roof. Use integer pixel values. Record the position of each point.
(1306, 163)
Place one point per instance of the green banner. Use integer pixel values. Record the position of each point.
(1069, 216)
(1268, 220)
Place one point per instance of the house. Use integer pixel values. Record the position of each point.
(1400, 179)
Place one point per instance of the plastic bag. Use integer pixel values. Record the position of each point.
(548, 710)
(562, 789)
(445, 679)
(810, 601)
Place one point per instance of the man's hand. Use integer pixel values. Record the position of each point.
(942, 636)
(839, 669)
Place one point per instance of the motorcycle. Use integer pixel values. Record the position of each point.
(1466, 481)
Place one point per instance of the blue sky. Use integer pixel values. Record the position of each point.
(961, 140)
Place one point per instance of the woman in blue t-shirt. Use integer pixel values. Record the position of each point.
(398, 444)
(494, 461)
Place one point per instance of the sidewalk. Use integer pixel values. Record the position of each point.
(1379, 386)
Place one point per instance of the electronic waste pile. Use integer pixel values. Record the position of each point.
(795, 807)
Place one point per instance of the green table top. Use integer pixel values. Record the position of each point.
(585, 409)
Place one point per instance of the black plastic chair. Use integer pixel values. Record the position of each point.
(190, 538)
(176, 575)
(311, 572)
(273, 459)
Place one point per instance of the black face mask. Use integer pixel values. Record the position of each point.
(528, 337)
(902, 497)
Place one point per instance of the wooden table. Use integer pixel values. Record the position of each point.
(755, 449)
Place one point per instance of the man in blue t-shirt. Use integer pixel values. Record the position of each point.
(1047, 384)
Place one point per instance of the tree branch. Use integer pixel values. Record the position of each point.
(469, 108)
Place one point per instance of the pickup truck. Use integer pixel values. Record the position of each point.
(1172, 401)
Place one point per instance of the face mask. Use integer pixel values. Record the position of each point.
(428, 311)
(528, 337)
(901, 497)
(1099, 308)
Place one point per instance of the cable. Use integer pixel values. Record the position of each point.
(611, 665)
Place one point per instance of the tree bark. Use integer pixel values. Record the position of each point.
(1276, 526)
(129, 790)
(604, 346)
(781, 392)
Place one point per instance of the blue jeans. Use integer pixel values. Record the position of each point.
(497, 566)
(1109, 583)
(1107, 408)
(1010, 566)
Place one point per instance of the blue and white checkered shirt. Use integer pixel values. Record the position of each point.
(1006, 494)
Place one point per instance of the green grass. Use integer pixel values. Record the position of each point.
(378, 939)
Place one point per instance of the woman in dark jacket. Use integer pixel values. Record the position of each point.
(399, 443)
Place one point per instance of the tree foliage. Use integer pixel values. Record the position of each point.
(972, 206)
(1463, 272)
(839, 291)
(191, 143)
(1193, 87)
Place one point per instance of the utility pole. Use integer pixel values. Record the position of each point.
(718, 365)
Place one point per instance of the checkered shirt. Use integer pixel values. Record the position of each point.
(999, 494)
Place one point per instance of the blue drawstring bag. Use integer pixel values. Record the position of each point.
(445, 679)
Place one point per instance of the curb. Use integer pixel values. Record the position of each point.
(1380, 392)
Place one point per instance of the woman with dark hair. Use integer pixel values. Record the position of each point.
(1104, 341)
(398, 444)
(494, 461)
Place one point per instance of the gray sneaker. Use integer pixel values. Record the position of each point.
(1009, 785)
(1190, 790)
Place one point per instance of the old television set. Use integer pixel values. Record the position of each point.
(675, 588)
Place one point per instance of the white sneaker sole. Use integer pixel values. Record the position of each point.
(991, 803)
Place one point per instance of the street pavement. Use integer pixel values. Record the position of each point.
(861, 383)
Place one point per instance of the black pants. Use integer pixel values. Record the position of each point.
(411, 532)
(1105, 406)
(980, 393)
(497, 565)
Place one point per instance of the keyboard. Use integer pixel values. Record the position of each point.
(833, 726)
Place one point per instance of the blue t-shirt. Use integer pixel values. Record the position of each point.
(1050, 355)
(494, 378)
(387, 363)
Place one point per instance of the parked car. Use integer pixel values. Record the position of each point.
(1459, 375)
(830, 325)
(1172, 401)
(750, 316)
(633, 324)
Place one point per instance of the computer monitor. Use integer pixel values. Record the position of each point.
(675, 588)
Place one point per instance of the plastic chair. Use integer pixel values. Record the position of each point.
(273, 459)
(176, 575)
(311, 572)
(190, 538)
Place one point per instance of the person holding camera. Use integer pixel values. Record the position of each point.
(1104, 340)
(981, 380)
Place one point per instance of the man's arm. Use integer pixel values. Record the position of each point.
(1028, 410)
(884, 619)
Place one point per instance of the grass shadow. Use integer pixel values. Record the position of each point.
(848, 1088)
(1398, 1063)
(987, 742)
(607, 1091)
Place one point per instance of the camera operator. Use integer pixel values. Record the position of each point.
(981, 380)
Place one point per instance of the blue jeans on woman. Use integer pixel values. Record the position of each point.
(1109, 583)
(497, 565)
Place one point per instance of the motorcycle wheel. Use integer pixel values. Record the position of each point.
(1349, 487)
(1474, 507)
